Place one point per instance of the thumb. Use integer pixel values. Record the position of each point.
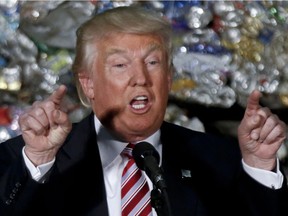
(62, 119)
(253, 127)
(249, 126)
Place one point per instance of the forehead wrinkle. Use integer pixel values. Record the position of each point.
(115, 50)
(146, 50)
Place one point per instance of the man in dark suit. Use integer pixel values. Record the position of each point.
(123, 71)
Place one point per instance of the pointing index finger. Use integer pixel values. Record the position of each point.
(58, 95)
(253, 102)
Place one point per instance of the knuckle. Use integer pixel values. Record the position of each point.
(38, 112)
(49, 105)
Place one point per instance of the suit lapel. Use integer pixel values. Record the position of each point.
(80, 151)
(182, 198)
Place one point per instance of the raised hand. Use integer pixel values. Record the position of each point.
(260, 134)
(44, 127)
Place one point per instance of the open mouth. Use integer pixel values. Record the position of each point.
(139, 102)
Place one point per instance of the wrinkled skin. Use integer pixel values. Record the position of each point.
(129, 69)
(44, 128)
(260, 134)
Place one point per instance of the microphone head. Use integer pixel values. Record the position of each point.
(142, 150)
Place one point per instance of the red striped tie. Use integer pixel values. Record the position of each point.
(135, 195)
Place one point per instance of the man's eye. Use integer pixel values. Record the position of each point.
(119, 65)
(153, 62)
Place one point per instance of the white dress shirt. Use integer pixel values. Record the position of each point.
(113, 164)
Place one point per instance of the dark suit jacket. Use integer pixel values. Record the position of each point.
(203, 174)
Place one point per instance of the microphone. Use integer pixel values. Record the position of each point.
(147, 158)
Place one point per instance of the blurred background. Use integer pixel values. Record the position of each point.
(223, 51)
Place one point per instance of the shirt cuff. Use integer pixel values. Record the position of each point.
(39, 171)
(270, 179)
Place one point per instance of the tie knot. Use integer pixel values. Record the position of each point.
(128, 150)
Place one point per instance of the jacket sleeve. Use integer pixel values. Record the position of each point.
(16, 184)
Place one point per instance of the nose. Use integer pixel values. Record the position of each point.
(140, 75)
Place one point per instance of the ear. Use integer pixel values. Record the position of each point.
(87, 84)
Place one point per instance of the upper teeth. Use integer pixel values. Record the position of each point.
(141, 98)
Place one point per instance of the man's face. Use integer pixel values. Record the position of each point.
(130, 84)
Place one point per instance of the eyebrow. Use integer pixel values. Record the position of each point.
(152, 47)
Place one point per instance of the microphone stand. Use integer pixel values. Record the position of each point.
(157, 201)
(160, 202)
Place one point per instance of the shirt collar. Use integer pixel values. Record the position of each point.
(110, 147)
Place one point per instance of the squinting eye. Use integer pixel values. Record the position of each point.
(119, 65)
(153, 62)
